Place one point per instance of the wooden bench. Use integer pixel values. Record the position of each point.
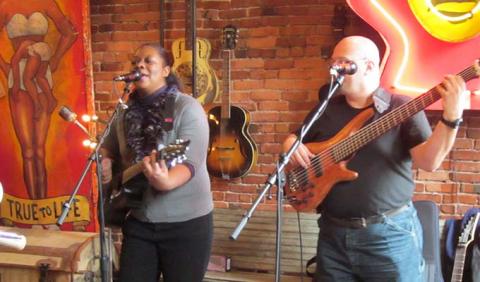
(253, 253)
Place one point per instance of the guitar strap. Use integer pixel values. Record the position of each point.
(167, 123)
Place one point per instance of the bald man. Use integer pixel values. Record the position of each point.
(369, 230)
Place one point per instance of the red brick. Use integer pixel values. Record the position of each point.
(231, 197)
(263, 74)
(247, 64)
(310, 63)
(436, 175)
(473, 133)
(266, 95)
(464, 143)
(440, 187)
(220, 205)
(247, 84)
(278, 64)
(272, 106)
(468, 199)
(244, 198)
(447, 209)
(273, 148)
(218, 196)
(263, 31)
(429, 197)
(419, 187)
(466, 166)
(466, 177)
(262, 43)
(265, 116)
(468, 188)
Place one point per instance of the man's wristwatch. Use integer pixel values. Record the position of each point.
(452, 124)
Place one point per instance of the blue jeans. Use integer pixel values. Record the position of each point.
(386, 251)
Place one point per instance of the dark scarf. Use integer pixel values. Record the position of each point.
(144, 119)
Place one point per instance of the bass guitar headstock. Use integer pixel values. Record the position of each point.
(174, 153)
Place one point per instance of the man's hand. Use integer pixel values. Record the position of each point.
(301, 156)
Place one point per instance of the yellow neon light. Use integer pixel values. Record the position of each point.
(406, 50)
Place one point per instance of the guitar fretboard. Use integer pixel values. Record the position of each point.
(457, 273)
(225, 111)
(348, 146)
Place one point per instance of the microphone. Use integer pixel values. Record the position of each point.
(132, 76)
(342, 68)
(70, 116)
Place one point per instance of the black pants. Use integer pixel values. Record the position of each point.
(179, 251)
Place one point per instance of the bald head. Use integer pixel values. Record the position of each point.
(357, 48)
(364, 53)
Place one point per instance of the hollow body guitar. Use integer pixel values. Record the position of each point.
(307, 187)
(206, 81)
(231, 152)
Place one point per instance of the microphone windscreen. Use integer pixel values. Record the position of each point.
(67, 114)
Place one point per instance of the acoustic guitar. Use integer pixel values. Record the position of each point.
(125, 191)
(203, 84)
(467, 237)
(231, 152)
(307, 187)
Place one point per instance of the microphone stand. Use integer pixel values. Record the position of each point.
(279, 177)
(96, 157)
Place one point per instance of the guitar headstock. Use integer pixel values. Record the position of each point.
(174, 153)
(230, 35)
(468, 234)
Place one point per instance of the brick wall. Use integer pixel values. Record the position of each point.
(276, 72)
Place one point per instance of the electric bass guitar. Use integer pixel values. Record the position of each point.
(231, 151)
(307, 187)
(467, 237)
(125, 191)
(200, 79)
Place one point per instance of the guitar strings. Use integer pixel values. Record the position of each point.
(344, 148)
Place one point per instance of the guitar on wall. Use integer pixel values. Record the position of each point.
(231, 152)
(308, 187)
(205, 80)
(467, 237)
(125, 190)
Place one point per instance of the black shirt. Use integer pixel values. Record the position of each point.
(385, 179)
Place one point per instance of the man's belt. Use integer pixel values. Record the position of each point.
(363, 222)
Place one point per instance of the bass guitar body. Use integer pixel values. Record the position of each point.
(231, 152)
(207, 88)
(307, 187)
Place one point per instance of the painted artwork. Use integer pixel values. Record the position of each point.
(44, 64)
(425, 39)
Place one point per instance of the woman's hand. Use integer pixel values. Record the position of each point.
(156, 172)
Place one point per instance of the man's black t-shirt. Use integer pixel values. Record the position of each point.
(384, 166)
